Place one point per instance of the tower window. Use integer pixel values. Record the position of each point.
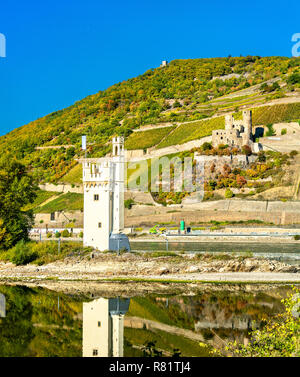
(99, 324)
(95, 352)
(52, 216)
(96, 197)
(99, 225)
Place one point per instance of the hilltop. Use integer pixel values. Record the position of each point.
(166, 111)
(183, 91)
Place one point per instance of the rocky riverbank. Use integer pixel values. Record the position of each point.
(100, 266)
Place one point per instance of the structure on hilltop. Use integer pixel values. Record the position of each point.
(164, 63)
(237, 133)
(103, 184)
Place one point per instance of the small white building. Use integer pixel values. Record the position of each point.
(103, 327)
(103, 184)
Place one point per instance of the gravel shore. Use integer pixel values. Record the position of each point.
(143, 267)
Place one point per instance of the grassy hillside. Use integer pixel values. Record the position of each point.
(185, 90)
(148, 138)
(70, 201)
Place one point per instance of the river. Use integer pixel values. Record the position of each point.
(41, 322)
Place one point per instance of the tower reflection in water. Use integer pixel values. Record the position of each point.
(103, 327)
(2, 306)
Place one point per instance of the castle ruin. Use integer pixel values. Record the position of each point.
(237, 133)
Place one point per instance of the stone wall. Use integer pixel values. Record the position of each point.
(279, 213)
(61, 219)
(64, 188)
(278, 218)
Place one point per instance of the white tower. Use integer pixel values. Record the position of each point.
(118, 184)
(103, 327)
(103, 181)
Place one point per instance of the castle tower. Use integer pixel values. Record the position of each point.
(228, 122)
(247, 122)
(103, 327)
(118, 184)
(103, 181)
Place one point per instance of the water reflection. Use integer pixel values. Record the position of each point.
(41, 322)
(103, 327)
(2, 306)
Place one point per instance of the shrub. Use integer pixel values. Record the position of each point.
(81, 234)
(261, 156)
(128, 203)
(284, 131)
(65, 233)
(49, 235)
(22, 254)
(271, 131)
(297, 237)
(228, 193)
(294, 78)
(206, 146)
(246, 150)
(57, 234)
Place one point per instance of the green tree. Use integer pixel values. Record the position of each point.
(17, 189)
(280, 336)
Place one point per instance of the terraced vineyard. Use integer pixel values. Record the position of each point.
(276, 114)
(195, 130)
(192, 131)
(148, 138)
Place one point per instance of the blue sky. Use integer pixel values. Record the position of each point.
(61, 51)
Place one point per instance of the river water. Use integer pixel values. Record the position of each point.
(284, 252)
(41, 322)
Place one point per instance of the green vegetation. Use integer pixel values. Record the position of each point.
(36, 326)
(65, 233)
(165, 341)
(42, 252)
(74, 176)
(41, 197)
(271, 131)
(148, 138)
(158, 254)
(191, 131)
(70, 201)
(279, 338)
(275, 114)
(17, 190)
(269, 164)
(185, 90)
(228, 193)
(128, 203)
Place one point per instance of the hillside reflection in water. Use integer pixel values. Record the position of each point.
(41, 322)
